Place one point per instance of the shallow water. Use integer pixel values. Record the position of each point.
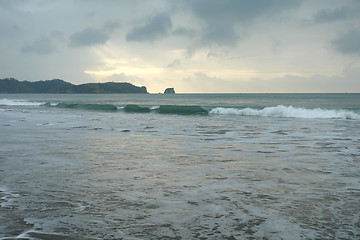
(84, 174)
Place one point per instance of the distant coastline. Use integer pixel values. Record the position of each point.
(12, 85)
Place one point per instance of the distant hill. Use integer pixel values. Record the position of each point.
(11, 85)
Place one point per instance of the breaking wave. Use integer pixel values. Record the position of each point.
(136, 109)
(276, 111)
(19, 102)
(182, 110)
(287, 112)
(166, 109)
(98, 107)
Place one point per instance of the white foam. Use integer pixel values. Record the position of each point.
(154, 107)
(8, 198)
(19, 102)
(289, 112)
(53, 104)
(81, 207)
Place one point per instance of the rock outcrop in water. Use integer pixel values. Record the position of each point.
(169, 90)
(11, 85)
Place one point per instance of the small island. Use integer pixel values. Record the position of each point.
(11, 85)
(169, 90)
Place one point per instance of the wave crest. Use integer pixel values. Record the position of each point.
(136, 109)
(182, 110)
(98, 107)
(287, 112)
(19, 102)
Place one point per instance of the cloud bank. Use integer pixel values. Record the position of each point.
(348, 43)
(156, 27)
(41, 46)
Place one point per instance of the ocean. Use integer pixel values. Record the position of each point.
(183, 166)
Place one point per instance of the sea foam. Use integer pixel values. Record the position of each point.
(19, 102)
(287, 112)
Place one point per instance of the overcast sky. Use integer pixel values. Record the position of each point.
(203, 46)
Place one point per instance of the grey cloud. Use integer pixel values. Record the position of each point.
(182, 31)
(56, 35)
(109, 27)
(220, 18)
(42, 46)
(238, 10)
(348, 43)
(9, 5)
(92, 36)
(214, 54)
(8, 31)
(220, 33)
(126, 78)
(156, 27)
(88, 37)
(190, 52)
(336, 14)
(346, 82)
(175, 63)
(206, 83)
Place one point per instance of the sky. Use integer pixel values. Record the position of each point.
(194, 46)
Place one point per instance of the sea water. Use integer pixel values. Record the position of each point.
(183, 166)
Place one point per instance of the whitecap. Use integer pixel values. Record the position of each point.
(288, 112)
(19, 102)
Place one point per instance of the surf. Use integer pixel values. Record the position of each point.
(97, 107)
(19, 102)
(288, 112)
(182, 110)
